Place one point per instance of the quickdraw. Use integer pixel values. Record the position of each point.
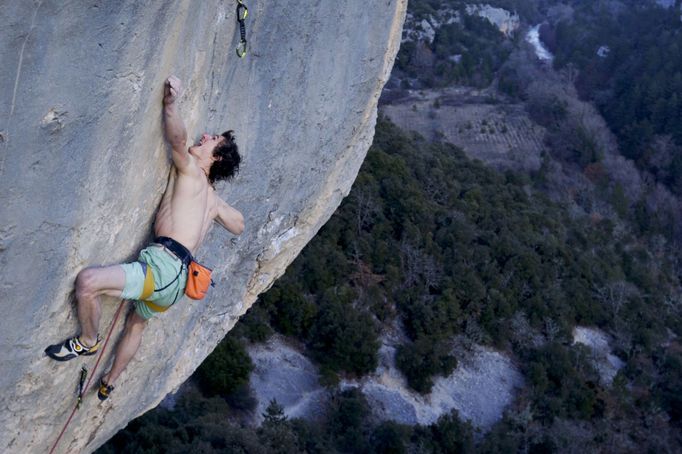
(242, 13)
(81, 385)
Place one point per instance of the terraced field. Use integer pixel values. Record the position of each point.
(479, 121)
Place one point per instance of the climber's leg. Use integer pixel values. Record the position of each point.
(127, 346)
(91, 283)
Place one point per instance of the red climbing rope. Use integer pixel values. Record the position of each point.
(87, 385)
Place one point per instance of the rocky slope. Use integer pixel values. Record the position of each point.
(83, 165)
(480, 388)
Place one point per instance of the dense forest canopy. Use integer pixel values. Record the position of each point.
(630, 65)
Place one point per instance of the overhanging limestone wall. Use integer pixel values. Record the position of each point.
(83, 166)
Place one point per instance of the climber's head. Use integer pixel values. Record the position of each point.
(220, 153)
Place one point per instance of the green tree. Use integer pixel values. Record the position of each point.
(344, 339)
(450, 435)
(347, 422)
(226, 369)
(276, 432)
(390, 438)
(420, 360)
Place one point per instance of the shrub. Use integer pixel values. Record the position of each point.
(347, 423)
(226, 368)
(419, 361)
(344, 339)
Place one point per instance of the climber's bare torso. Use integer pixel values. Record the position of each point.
(190, 204)
(188, 209)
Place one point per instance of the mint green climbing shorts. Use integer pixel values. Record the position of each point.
(166, 269)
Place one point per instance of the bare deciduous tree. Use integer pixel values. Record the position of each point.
(409, 260)
(569, 74)
(614, 295)
(551, 329)
(415, 264)
(366, 209)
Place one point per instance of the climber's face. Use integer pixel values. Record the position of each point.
(203, 150)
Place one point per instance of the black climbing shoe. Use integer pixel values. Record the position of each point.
(104, 390)
(70, 349)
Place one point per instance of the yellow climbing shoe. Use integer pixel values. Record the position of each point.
(104, 390)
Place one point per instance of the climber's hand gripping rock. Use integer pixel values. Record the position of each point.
(172, 90)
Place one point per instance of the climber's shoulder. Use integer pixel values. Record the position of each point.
(185, 162)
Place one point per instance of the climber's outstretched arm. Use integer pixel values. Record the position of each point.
(174, 127)
(229, 217)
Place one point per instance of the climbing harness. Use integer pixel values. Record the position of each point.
(242, 13)
(84, 373)
(198, 276)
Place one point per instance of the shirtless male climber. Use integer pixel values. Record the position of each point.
(157, 280)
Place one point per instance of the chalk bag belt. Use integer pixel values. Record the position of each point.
(242, 14)
(176, 248)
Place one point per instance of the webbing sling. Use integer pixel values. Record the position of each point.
(148, 289)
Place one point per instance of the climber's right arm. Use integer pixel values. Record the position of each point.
(176, 134)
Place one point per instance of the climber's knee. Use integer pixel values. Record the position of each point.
(95, 281)
(136, 324)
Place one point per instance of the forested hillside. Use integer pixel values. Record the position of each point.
(446, 247)
(467, 49)
(629, 62)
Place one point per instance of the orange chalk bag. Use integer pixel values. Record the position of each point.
(198, 280)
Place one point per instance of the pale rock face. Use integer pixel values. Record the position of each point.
(425, 30)
(283, 374)
(83, 165)
(504, 20)
(429, 32)
(480, 388)
(533, 38)
(665, 3)
(603, 51)
(606, 363)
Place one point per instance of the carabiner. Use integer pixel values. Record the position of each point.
(241, 49)
(242, 9)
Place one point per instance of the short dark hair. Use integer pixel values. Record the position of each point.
(227, 161)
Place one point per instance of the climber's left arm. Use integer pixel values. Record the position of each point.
(229, 217)
(174, 127)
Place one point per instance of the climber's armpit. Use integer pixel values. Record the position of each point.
(229, 217)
